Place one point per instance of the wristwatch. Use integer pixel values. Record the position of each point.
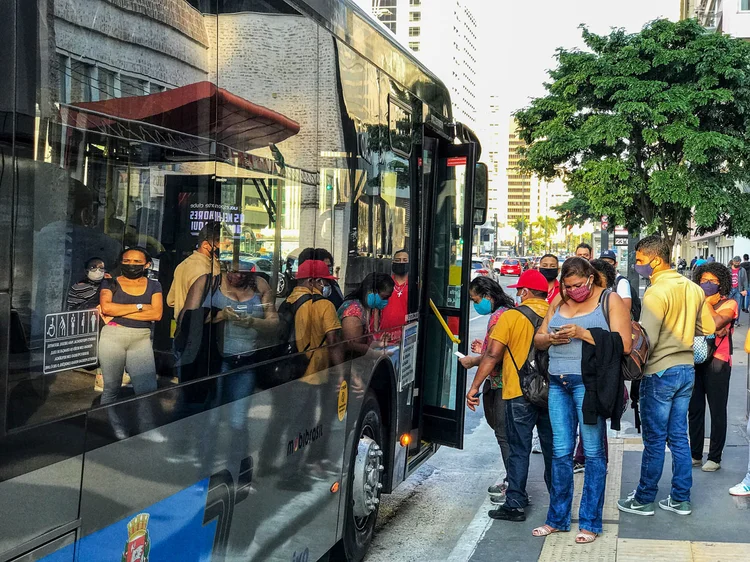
(139, 306)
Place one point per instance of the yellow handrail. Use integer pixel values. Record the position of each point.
(452, 337)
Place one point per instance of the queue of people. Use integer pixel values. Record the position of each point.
(586, 336)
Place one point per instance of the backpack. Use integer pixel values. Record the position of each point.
(534, 373)
(635, 298)
(633, 364)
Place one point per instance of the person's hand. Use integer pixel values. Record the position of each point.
(568, 331)
(476, 346)
(556, 339)
(229, 313)
(466, 362)
(472, 401)
(744, 293)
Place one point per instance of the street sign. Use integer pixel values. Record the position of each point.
(71, 339)
(605, 222)
(621, 240)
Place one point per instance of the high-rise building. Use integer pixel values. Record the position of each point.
(519, 183)
(687, 9)
(443, 35)
(494, 144)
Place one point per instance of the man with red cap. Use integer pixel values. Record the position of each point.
(511, 341)
(316, 324)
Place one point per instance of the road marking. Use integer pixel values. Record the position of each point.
(473, 535)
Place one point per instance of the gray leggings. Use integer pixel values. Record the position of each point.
(122, 348)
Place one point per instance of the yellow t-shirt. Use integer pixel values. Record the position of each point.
(312, 322)
(515, 331)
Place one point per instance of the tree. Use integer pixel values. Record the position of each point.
(650, 128)
(546, 228)
(574, 212)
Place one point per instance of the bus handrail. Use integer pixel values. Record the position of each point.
(444, 324)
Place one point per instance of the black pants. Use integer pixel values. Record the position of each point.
(520, 418)
(712, 385)
(494, 412)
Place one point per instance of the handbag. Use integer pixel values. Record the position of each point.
(700, 350)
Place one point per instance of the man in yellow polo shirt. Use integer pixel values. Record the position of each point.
(510, 343)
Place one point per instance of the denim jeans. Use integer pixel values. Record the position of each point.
(664, 408)
(738, 298)
(565, 401)
(520, 418)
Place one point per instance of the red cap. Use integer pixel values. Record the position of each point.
(531, 279)
(316, 269)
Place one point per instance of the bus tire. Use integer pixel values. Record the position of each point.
(358, 531)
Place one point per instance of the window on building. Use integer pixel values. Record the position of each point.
(745, 5)
(415, 2)
(106, 84)
(415, 16)
(413, 32)
(414, 46)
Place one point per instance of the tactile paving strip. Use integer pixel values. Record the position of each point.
(719, 552)
(561, 547)
(638, 550)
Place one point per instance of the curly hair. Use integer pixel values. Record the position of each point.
(607, 270)
(721, 272)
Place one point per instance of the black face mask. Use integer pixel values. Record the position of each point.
(132, 271)
(400, 268)
(550, 273)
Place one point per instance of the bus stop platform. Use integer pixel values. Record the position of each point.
(718, 530)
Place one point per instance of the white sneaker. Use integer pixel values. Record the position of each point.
(711, 466)
(740, 490)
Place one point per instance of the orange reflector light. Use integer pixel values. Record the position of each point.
(405, 439)
(335, 487)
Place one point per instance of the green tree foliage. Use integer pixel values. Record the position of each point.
(649, 128)
(574, 212)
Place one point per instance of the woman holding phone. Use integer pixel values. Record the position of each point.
(563, 332)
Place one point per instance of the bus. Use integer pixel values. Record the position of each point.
(296, 124)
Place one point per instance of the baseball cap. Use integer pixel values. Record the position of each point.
(531, 279)
(316, 269)
(609, 254)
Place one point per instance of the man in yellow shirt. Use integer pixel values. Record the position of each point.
(510, 343)
(674, 311)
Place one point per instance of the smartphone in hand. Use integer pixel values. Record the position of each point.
(459, 354)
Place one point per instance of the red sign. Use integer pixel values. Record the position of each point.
(605, 222)
(457, 161)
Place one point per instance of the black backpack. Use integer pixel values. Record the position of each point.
(635, 298)
(534, 373)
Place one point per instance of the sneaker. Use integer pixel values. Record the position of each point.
(99, 383)
(740, 489)
(498, 489)
(498, 500)
(711, 466)
(578, 468)
(697, 462)
(508, 514)
(680, 508)
(631, 505)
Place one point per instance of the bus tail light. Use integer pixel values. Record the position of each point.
(405, 440)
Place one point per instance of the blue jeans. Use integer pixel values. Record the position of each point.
(664, 407)
(565, 402)
(520, 418)
(738, 298)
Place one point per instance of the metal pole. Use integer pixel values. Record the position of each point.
(494, 255)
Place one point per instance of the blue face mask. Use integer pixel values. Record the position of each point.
(484, 306)
(374, 301)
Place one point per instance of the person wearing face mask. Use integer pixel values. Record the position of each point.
(712, 376)
(580, 340)
(84, 294)
(360, 313)
(332, 291)
(509, 346)
(394, 314)
(490, 300)
(674, 312)
(134, 302)
(549, 266)
(739, 284)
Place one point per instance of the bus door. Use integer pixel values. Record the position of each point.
(447, 276)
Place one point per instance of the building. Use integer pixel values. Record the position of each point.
(494, 143)
(687, 9)
(444, 36)
(519, 184)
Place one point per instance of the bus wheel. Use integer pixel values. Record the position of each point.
(365, 474)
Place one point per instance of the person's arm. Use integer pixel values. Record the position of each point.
(491, 358)
(543, 338)
(352, 332)
(270, 320)
(335, 350)
(705, 323)
(725, 315)
(623, 289)
(114, 309)
(195, 297)
(652, 316)
(151, 312)
(619, 321)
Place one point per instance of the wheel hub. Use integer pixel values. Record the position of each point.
(368, 470)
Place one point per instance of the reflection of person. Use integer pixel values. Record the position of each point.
(490, 299)
(134, 302)
(712, 376)
(333, 292)
(572, 332)
(84, 294)
(360, 313)
(394, 314)
(202, 261)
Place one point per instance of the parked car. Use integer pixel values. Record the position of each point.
(511, 266)
(524, 263)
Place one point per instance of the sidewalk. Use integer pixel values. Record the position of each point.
(717, 530)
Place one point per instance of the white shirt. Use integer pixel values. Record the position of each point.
(623, 288)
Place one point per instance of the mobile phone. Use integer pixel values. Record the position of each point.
(555, 329)
(478, 394)
(459, 354)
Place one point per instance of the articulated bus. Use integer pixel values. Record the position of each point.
(297, 124)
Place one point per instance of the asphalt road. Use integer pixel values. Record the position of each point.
(430, 516)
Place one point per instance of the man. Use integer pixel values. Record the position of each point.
(746, 266)
(674, 311)
(510, 342)
(394, 314)
(334, 293)
(622, 285)
(739, 285)
(692, 263)
(584, 251)
(203, 260)
(711, 259)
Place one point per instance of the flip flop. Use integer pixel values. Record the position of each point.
(544, 530)
(585, 537)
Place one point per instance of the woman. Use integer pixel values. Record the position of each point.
(563, 332)
(489, 298)
(360, 313)
(549, 266)
(84, 295)
(134, 303)
(712, 376)
(743, 488)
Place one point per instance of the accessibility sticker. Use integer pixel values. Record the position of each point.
(71, 339)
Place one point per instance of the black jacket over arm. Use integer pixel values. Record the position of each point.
(602, 376)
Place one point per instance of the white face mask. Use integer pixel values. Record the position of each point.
(326, 291)
(95, 275)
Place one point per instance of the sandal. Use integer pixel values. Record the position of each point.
(585, 537)
(544, 530)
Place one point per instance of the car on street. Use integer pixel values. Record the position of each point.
(511, 266)
(524, 263)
